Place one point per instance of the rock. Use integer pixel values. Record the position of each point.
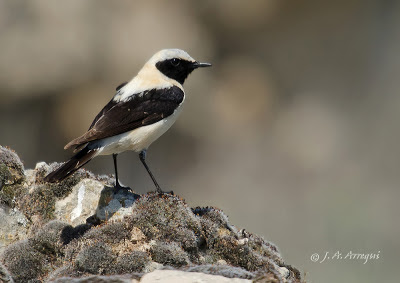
(11, 167)
(115, 205)
(50, 239)
(13, 222)
(13, 226)
(155, 276)
(91, 197)
(97, 279)
(169, 253)
(80, 204)
(82, 228)
(151, 213)
(223, 270)
(284, 272)
(172, 276)
(11, 173)
(95, 258)
(135, 261)
(23, 262)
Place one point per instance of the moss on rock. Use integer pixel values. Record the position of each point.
(11, 167)
(155, 231)
(23, 262)
(131, 262)
(166, 217)
(11, 175)
(48, 240)
(169, 253)
(96, 259)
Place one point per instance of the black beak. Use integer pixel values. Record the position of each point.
(200, 65)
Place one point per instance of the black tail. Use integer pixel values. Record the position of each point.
(69, 167)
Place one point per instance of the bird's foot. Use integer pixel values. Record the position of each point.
(161, 192)
(118, 187)
(125, 190)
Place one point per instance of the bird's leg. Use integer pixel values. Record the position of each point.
(117, 184)
(142, 156)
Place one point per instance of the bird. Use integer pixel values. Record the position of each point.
(140, 112)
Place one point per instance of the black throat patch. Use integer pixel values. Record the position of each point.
(176, 69)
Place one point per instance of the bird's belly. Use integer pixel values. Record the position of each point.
(138, 139)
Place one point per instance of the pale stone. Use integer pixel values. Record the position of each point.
(13, 226)
(284, 272)
(80, 204)
(172, 276)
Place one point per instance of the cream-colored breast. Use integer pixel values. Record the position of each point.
(140, 138)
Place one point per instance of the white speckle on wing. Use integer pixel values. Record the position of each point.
(76, 212)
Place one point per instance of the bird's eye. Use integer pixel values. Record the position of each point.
(175, 62)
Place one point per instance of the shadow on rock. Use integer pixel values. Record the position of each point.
(115, 201)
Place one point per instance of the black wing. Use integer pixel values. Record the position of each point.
(140, 110)
(108, 106)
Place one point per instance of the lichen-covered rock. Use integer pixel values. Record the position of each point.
(11, 174)
(79, 197)
(85, 229)
(23, 262)
(38, 199)
(11, 167)
(49, 239)
(13, 226)
(167, 218)
(169, 254)
(95, 259)
(131, 262)
(80, 204)
(115, 204)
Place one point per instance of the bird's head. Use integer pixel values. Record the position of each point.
(176, 64)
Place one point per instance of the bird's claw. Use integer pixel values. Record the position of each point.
(161, 192)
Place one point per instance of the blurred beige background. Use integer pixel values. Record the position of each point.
(294, 131)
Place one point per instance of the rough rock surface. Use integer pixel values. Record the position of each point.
(83, 230)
